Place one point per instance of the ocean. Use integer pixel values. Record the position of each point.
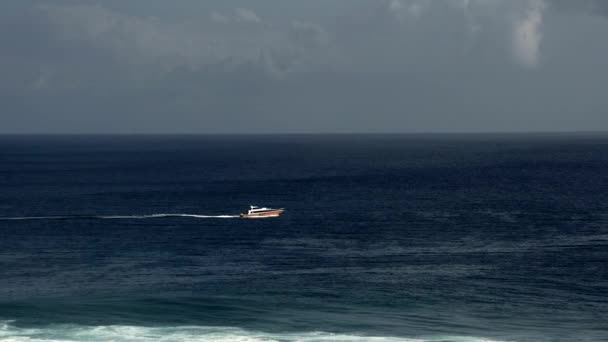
(419, 237)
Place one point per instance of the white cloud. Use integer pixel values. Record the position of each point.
(247, 15)
(218, 18)
(395, 5)
(527, 34)
(413, 8)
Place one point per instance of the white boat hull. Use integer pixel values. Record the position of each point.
(266, 214)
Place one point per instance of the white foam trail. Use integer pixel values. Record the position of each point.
(205, 216)
(166, 215)
(119, 333)
(108, 217)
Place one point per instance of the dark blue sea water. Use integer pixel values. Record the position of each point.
(385, 238)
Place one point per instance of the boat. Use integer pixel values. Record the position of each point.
(261, 212)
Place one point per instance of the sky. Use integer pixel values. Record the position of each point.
(294, 66)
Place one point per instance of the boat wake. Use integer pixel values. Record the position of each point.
(112, 217)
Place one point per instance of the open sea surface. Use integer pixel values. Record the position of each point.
(385, 238)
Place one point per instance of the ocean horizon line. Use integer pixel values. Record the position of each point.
(445, 133)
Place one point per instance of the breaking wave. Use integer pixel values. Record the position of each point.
(119, 333)
(110, 217)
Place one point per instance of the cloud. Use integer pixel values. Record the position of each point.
(413, 8)
(350, 65)
(218, 18)
(310, 33)
(247, 15)
(527, 34)
(151, 47)
(241, 15)
(596, 7)
(396, 5)
(43, 81)
(383, 38)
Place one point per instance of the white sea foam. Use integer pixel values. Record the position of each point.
(67, 333)
(165, 215)
(110, 217)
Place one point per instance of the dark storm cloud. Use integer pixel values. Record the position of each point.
(281, 66)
